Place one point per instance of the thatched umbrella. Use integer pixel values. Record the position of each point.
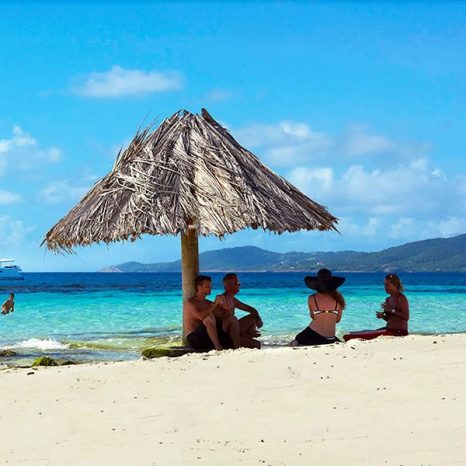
(188, 177)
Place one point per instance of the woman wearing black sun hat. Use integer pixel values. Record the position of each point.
(325, 307)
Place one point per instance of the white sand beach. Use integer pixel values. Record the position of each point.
(395, 401)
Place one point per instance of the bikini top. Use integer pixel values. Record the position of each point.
(321, 311)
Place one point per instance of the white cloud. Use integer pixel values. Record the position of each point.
(7, 197)
(290, 143)
(409, 187)
(218, 95)
(379, 230)
(62, 190)
(23, 151)
(460, 183)
(19, 139)
(359, 141)
(13, 232)
(387, 184)
(450, 226)
(414, 189)
(53, 154)
(368, 228)
(121, 82)
(285, 143)
(303, 176)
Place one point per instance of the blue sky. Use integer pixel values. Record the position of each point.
(360, 105)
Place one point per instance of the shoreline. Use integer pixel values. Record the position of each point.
(337, 404)
(82, 354)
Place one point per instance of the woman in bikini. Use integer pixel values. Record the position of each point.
(325, 307)
(394, 310)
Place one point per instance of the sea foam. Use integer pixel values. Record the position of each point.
(37, 343)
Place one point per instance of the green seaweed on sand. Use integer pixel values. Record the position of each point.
(44, 361)
(159, 352)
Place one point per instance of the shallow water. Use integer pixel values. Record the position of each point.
(97, 316)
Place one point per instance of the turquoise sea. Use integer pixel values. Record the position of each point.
(103, 316)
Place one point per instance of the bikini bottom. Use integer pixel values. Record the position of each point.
(310, 337)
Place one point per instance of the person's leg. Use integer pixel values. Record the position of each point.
(230, 326)
(397, 333)
(366, 334)
(309, 337)
(211, 327)
(249, 342)
(303, 338)
(199, 340)
(248, 327)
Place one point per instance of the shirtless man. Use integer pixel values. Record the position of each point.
(9, 305)
(248, 324)
(208, 326)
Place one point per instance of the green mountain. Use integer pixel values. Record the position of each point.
(432, 255)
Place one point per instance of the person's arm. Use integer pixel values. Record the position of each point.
(251, 310)
(340, 312)
(383, 314)
(311, 311)
(201, 315)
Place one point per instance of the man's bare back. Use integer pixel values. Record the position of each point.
(9, 305)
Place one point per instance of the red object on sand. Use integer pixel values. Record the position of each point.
(371, 334)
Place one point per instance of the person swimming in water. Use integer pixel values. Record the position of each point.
(9, 305)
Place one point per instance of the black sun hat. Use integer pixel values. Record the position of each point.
(324, 281)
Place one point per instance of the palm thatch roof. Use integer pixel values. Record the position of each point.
(189, 173)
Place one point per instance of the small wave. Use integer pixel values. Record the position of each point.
(37, 343)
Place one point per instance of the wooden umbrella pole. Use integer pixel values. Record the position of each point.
(189, 267)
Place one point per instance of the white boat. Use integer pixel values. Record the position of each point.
(9, 271)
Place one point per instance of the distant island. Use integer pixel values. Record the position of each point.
(432, 255)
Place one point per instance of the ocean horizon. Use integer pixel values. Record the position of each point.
(96, 316)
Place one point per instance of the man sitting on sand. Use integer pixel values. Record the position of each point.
(248, 324)
(9, 305)
(208, 326)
